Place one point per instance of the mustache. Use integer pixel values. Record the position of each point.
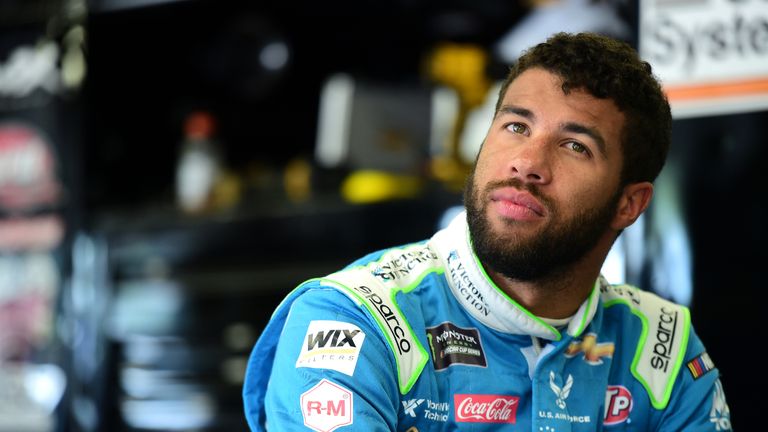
(520, 185)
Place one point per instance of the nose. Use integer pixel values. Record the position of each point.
(531, 164)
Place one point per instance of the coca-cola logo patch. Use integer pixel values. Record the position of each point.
(473, 408)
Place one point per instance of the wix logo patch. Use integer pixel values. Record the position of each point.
(331, 345)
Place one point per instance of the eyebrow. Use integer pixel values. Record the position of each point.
(588, 131)
(512, 109)
(568, 127)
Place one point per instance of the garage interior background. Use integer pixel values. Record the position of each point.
(130, 302)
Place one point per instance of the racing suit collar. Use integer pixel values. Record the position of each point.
(485, 301)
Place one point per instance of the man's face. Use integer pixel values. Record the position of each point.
(545, 186)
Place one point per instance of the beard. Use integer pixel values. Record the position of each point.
(545, 255)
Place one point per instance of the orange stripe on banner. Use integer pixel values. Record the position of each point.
(732, 88)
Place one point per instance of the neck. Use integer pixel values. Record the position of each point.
(560, 294)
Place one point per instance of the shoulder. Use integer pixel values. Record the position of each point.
(374, 282)
(655, 312)
(371, 284)
(378, 274)
(663, 340)
(397, 268)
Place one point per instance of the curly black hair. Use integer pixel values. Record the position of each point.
(608, 68)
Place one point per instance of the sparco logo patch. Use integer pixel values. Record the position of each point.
(452, 345)
(485, 408)
(331, 345)
(665, 336)
(389, 317)
(618, 405)
(327, 406)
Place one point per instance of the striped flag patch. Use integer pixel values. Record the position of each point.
(700, 365)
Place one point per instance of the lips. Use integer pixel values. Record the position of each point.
(517, 201)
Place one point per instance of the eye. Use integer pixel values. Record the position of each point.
(518, 128)
(577, 147)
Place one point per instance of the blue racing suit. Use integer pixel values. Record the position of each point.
(419, 338)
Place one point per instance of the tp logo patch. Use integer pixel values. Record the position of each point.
(618, 404)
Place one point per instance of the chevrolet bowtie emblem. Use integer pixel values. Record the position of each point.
(592, 350)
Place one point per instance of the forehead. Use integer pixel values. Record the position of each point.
(540, 92)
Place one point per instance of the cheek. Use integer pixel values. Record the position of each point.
(590, 197)
(579, 194)
(481, 170)
(491, 163)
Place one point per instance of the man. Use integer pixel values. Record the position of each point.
(501, 321)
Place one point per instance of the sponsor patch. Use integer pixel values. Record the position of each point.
(331, 345)
(410, 355)
(561, 393)
(593, 351)
(625, 292)
(474, 408)
(618, 405)
(661, 353)
(664, 338)
(452, 345)
(404, 263)
(720, 414)
(700, 365)
(433, 411)
(409, 406)
(470, 294)
(666, 328)
(327, 406)
(561, 397)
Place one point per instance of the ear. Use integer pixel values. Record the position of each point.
(633, 202)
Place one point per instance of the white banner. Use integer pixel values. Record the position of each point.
(711, 55)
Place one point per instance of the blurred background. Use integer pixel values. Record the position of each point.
(170, 169)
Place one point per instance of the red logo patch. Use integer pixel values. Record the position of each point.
(618, 405)
(485, 408)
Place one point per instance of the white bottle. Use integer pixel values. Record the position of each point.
(199, 164)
